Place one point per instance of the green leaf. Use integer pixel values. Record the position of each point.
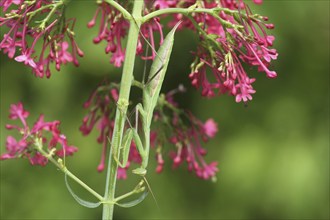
(78, 199)
(134, 202)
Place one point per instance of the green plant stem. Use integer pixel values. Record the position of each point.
(63, 168)
(50, 14)
(139, 188)
(31, 14)
(187, 11)
(120, 8)
(122, 104)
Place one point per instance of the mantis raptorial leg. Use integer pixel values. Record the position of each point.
(132, 134)
(129, 135)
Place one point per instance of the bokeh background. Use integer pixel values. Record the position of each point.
(273, 154)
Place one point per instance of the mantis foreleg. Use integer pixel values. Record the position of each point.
(131, 134)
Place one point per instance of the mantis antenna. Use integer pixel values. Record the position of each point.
(153, 195)
(145, 64)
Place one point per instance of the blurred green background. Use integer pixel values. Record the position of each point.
(273, 155)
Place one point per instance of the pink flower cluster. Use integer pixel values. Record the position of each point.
(113, 29)
(161, 4)
(228, 38)
(102, 105)
(54, 33)
(186, 133)
(226, 41)
(27, 147)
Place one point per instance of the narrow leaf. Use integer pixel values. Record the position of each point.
(78, 199)
(134, 202)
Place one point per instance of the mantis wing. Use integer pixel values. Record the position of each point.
(157, 74)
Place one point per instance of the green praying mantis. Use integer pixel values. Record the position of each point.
(151, 91)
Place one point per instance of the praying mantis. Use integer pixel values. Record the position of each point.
(151, 91)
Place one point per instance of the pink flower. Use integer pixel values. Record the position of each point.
(18, 112)
(42, 125)
(160, 4)
(207, 171)
(118, 57)
(65, 150)
(9, 45)
(63, 56)
(211, 128)
(244, 90)
(121, 173)
(13, 148)
(114, 94)
(38, 159)
(7, 3)
(258, 2)
(160, 163)
(26, 59)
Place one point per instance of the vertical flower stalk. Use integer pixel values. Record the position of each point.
(122, 104)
